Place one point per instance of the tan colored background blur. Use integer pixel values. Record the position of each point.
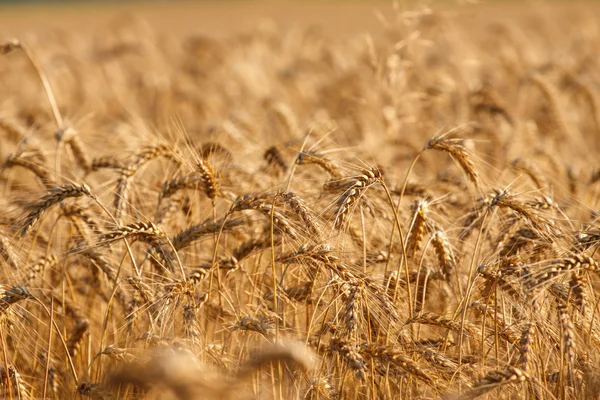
(221, 18)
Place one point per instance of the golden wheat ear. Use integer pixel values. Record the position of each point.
(36, 210)
(458, 152)
(209, 179)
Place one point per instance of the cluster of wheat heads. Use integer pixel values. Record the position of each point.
(280, 215)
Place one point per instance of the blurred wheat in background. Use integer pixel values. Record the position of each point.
(277, 213)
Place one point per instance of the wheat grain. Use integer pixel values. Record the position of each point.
(53, 197)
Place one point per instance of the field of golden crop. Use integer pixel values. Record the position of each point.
(400, 203)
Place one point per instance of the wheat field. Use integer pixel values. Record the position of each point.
(276, 213)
